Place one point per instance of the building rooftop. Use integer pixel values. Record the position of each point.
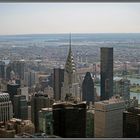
(111, 104)
(69, 105)
(135, 110)
(112, 100)
(41, 93)
(4, 96)
(46, 109)
(12, 83)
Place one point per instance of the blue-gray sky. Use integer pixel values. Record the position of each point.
(30, 18)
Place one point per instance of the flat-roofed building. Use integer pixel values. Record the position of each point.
(57, 82)
(122, 87)
(108, 121)
(39, 101)
(20, 107)
(131, 123)
(69, 120)
(12, 89)
(106, 73)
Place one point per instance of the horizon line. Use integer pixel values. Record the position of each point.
(20, 34)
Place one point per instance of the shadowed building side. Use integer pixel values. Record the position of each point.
(39, 101)
(69, 120)
(58, 80)
(20, 107)
(88, 88)
(106, 73)
(2, 69)
(131, 123)
(12, 89)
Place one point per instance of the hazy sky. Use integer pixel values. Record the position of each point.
(30, 18)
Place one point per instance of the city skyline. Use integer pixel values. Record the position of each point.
(80, 101)
(44, 18)
(57, 85)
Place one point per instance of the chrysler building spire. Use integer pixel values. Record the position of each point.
(70, 86)
(70, 65)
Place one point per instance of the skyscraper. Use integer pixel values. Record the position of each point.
(57, 82)
(18, 67)
(39, 101)
(70, 85)
(12, 90)
(108, 120)
(131, 123)
(46, 121)
(122, 87)
(106, 73)
(50, 80)
(88, 88)
(6, 108)
(20, 107)
(24, 91)
(2, 69)
(69, 120)
(31, 78)
(8, 71)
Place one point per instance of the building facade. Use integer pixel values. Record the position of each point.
(71, 84)
(122, 87)
(39, 101)
(2, 70)
(31, 78)
(88, 89)
(20, 107)
(58, 79)
(6, 108)
(131, 123)
(90, 123)
(69, 120)
(18, 67)
(46, 121)
(12, 89)
(106, 73)
(24, 91)
(108, 121)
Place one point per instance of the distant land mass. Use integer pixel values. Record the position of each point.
(75, 37)
(55, 46)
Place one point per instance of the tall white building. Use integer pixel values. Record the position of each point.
(108, 121)
(31, 78)
(6, 108)
(71, 84)
(24, 91)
